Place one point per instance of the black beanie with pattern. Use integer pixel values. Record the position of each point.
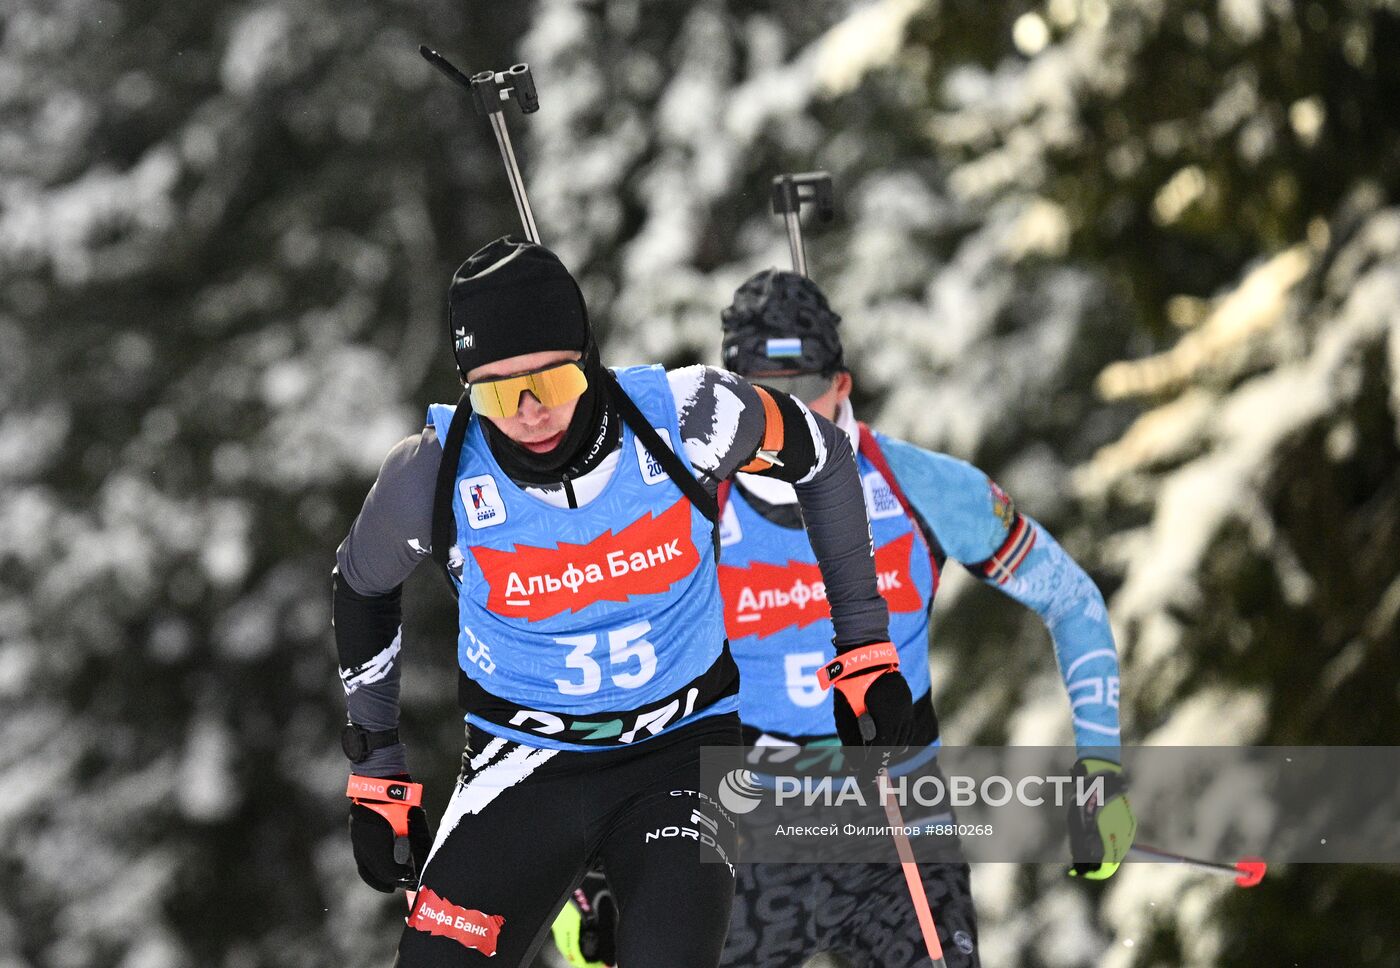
(779, 321)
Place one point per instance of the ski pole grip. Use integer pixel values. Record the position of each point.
(852, 672)
(391, 799)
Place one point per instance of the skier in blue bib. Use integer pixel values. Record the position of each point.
(573, 509)
(924, 508)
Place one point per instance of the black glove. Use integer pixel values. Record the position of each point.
(886, 716)
(889, 719)
(383, 865)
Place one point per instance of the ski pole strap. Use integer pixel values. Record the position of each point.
(852, 672)
(391, 799)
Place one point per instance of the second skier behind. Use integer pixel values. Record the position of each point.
(924, 508)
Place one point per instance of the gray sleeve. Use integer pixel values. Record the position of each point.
(722, 424)
(833, 510)
(393, 531)
(386, 542)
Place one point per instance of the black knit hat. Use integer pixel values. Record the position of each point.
(780, 321)
(510, 298)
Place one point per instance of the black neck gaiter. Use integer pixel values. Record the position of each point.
(592, 435)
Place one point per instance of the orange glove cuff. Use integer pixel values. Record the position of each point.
(391, 799)
(852, 672)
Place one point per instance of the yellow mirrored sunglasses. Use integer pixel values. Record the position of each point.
(551, 385)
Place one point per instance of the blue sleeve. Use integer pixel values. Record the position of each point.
(977, 524)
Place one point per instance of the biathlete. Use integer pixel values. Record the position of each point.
(573, 508)
(924, 508)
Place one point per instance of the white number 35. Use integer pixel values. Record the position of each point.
(631, 660)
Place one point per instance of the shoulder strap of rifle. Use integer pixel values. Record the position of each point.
(870, 450)
(664, 455)
(443, 520)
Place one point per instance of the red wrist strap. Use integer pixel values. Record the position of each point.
(852, 672)
(388, 798)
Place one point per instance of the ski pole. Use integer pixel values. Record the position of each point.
(490, 90)
(1247, 871)
(911, 868)
(789, 194)
(852, 673)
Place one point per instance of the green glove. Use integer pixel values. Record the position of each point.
(585, 930)
(1100, 834)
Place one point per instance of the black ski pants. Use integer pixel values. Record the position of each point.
(524, 824)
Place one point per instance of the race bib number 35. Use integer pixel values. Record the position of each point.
(631, 660)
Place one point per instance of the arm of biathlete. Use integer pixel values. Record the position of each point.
(390, 536)
(724, 422)
(978, 524)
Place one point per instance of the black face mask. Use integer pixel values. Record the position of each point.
(592, 435)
